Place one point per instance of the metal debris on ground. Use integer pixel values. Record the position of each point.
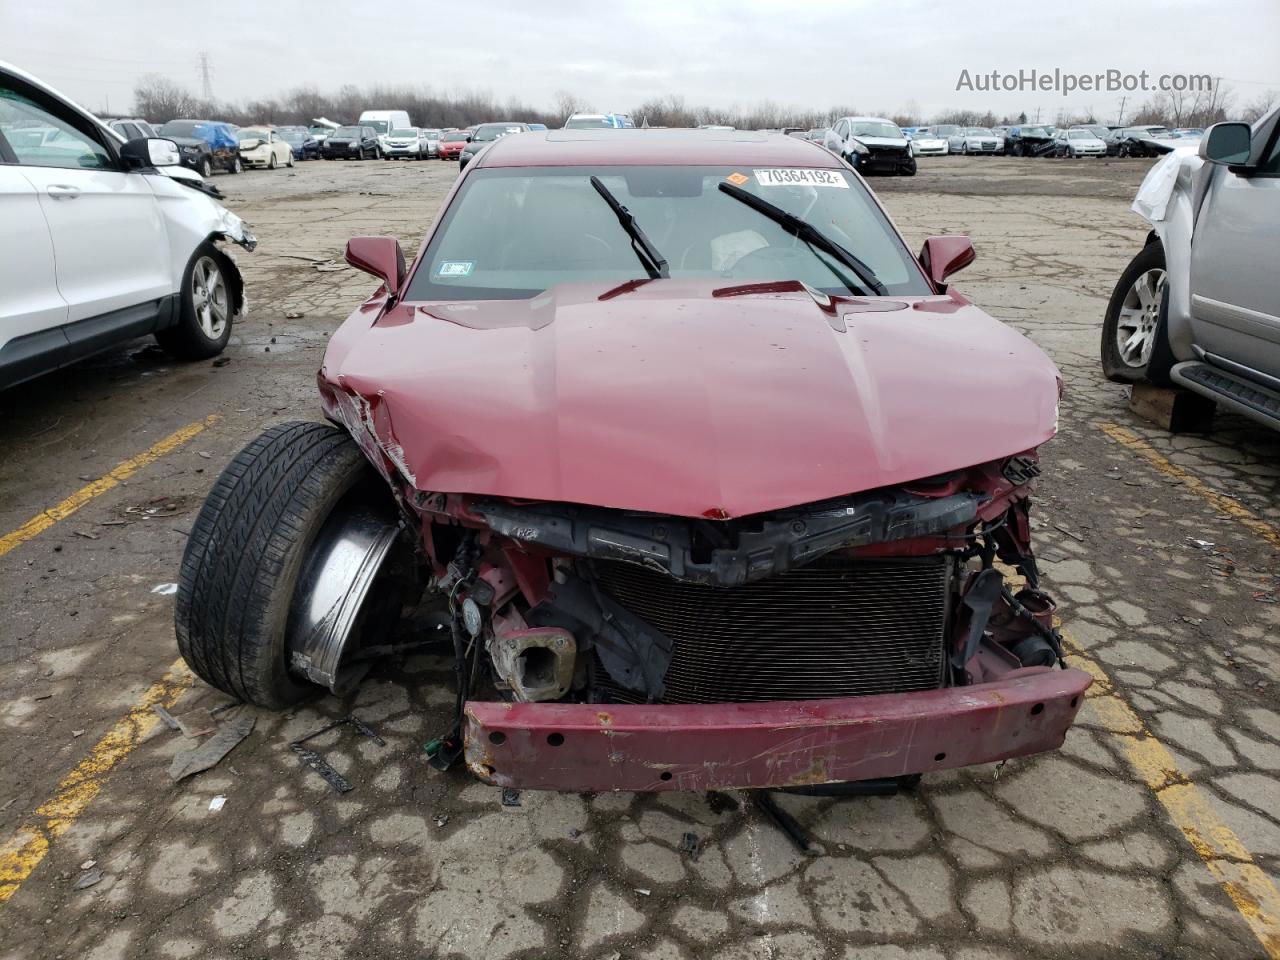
(217, 803)
(643, 892)
(510, 797)
(1199, 544)
(322, 766)
(87, 879)
(88, 864)
(214, 711)
(212, 751)
(165, 589)
(169, 720)
(441, 819)
(1074, 536)
(784, 821)
(691, 845)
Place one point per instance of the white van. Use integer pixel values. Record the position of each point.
(384, 121)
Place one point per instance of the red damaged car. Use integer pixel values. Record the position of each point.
(718, 485)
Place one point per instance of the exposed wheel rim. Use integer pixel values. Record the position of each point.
(1136, 323)
(210, 297)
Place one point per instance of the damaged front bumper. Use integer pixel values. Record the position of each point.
(600, 747)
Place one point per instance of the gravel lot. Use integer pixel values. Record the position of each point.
(1085, 853)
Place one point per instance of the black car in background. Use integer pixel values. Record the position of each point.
(1029, 140)
(204, 145)
(301, 142)
(351, 143)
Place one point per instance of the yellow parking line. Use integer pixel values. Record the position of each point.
(1189, 807)
(24, 851)
(47, 518)
(1220, 501)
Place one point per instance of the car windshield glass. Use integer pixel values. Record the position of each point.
(1034, 132)
(348, 133)
(979, 132)
(180, 128)
(865, 129)
(455, 137)
(511, 233)
(251, 134)
(492, 131)
(588, 123)
(431, 134)
(379, 126)
(1080, 134)
(404, 134)
(1156, 132)
(293, 136)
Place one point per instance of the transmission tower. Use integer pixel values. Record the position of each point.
(206, 86)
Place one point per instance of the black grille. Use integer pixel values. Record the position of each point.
(831, 629)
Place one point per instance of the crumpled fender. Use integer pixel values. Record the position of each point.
(191, 218)
(1169, 199)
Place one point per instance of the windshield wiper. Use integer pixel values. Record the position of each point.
(808, 233)
(649, 256)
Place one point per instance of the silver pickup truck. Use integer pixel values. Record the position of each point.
(1199, 306)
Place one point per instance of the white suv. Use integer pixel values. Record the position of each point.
(97, 246)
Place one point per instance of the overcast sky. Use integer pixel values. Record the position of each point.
(880, 57)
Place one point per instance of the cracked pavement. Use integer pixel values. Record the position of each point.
(1070, 854)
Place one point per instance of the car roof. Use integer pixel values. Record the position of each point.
(568, 148)
(870, 120)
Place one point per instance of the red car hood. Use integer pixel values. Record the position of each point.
(680, 398)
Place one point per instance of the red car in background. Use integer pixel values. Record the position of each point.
(716, 484)
(451, 143)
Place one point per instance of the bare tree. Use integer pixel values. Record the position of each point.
(159, 99)
(1260, 106)
(567, 104)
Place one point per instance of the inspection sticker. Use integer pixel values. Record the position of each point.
(800, 177)
(455, 268)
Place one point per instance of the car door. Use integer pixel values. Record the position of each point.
(109, 241)
(1235, 300)
(32, 311)
(280, 149)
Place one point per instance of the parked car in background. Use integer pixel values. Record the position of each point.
(871, 145)
(384, 121)
(588, 314)
(926, 143)
(1199, 306)
(974, 140)
(264, 147)
(1147, 140)
(1078, 142)
(407, 143)
(301, 142)
(320, 131)
(598, 121)
(816, 134)
(1001, 131)
(946, 131)
(358, 142)
(1029, 140)
(205, 145)
(97, 246)
(130, 128)
(432, 136)
(452, 142)
(485, 134)
(537, 126)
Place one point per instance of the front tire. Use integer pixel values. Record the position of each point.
(235, 166)
(1133, 313)
(206, 308)
(247, 552)
(206, 168)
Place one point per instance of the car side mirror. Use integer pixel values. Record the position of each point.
(944, 256)
(1229, 143)
(381, 257)
(149, 152)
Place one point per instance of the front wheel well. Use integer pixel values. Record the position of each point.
(232, 271)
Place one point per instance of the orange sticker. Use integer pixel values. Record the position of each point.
(737, 179)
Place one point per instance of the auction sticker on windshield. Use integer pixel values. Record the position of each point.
(455, 268)
(800, 177)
